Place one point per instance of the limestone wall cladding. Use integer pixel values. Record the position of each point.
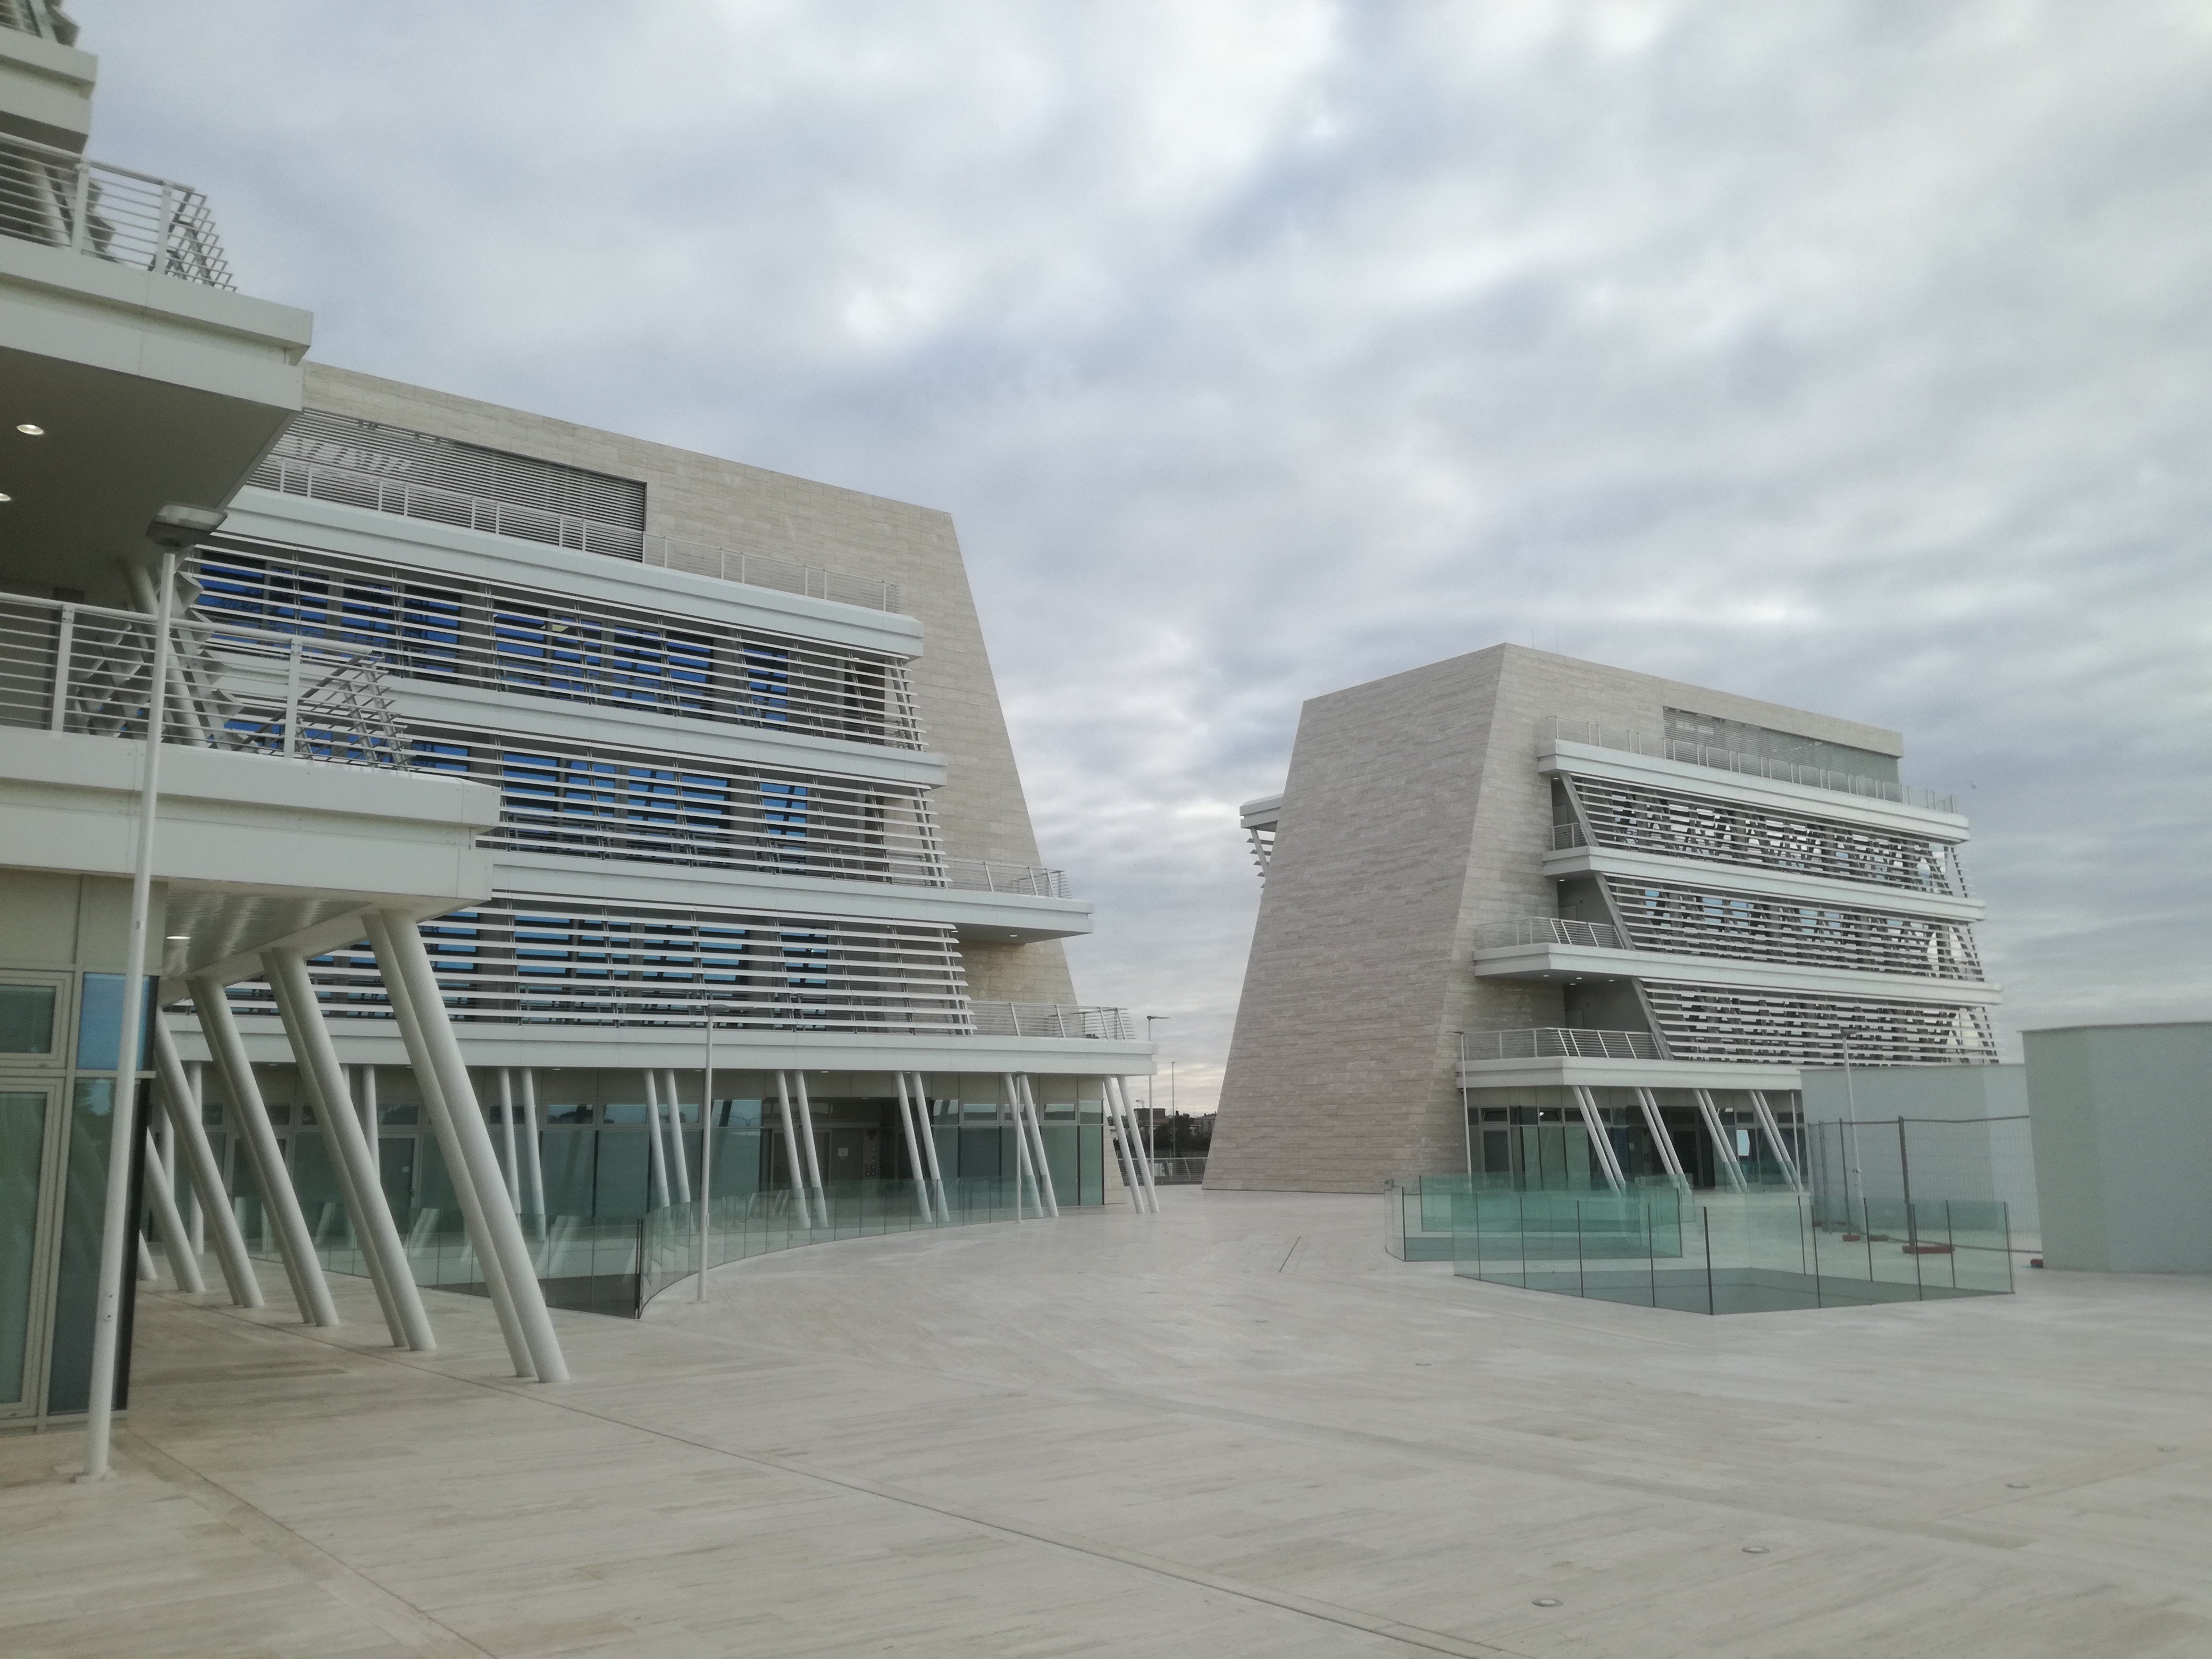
(1412, 814)
(982, 813)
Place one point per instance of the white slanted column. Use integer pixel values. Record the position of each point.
(929, 1146)
(1028, 1111)
(656, 1155)
(913, 1148)
(400, 955)
(1724, 1154)
(181, 1101)
(1117, 1137)
(532, 1146)
(821, 1199)
(1601, 1142)
(1025, 1171)
(1149, 1199)
(354, 1154)
(1655, 1121)
(1760, 1105)
(679, 1162)
(176, 1242)
(191, 1103)
(510, 1162)
(435, 1108)
(293, 1243)
(791, 1151)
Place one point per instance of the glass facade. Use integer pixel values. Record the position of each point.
(1539, 1138)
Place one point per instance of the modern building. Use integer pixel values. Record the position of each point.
(1568, 925)
(507, 766)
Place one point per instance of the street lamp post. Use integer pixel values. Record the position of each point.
(1152, 1117)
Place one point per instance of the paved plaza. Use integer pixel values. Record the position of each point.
(1235, 1429)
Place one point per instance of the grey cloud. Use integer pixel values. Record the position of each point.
(1849, 355)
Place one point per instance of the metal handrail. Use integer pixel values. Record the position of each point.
(319, 481)
(1558, 1042)
(87, 670)
(1735, 760)
(1052, 1019)
(983, 876)
(52, 196)
(1549, 930)
(1565, 835)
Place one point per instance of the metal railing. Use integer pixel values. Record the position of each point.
(1564, 835)
(1557, 1043)
(1735, 760)
(1179, 1171)
(85, 669)
(1549, 930)
(40, 18)
(1052, 1019)
(321, 482)
(980, 875)
(51, 196)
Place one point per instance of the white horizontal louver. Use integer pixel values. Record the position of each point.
(1644, 820)
(1705, 1022)
(527, 960)
(1739, 928)
(507, 637)
(590, 801)
(392, 451)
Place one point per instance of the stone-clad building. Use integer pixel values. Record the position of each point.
(1542, 917)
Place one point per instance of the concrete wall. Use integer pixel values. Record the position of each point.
(2122, 1118)
(1413, 813)
(982, 813)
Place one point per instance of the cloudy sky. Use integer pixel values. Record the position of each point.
(1853, 355)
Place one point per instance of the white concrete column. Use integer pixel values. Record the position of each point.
(441, 1115)
(1117, 1137)
(192, 1104)
(280, 1203)
(679, 1160)
(1022, 1170)
(351, 1200)
(513, 1164)
(792, 1155)
(1724, 1154)
(1136, 1145)
(1760, 1105)
(176, 1242)
(181, 1101)
(1601, 1142)
(1029, 1107)
(405, 946)
(656, 1155)
(813, 1158)
(351, 1151)
(929, 1146)
(1656, 1121)
(533, 1146)
(912, 1148)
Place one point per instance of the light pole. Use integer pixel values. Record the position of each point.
(1152, 1117)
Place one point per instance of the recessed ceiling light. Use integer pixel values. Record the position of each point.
(31, 429)
(4, 496)
(177, 938)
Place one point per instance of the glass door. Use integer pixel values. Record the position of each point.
(29, 1126)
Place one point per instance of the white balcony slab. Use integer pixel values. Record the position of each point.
(450, 550)
(1868, 811)
(1556, 1070)
(486, 708)
(1001, 918)
(377, 1042)
(1765, 882)
(1566, 964)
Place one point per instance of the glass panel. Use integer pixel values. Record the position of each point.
(26, 1020)
(22, 1143)
(92, 1117)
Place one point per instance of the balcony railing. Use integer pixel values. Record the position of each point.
(977, 875)
(1052, 1019)
(1734, 760)
(84, 669)
(1557, 1043)
(1549, 930)
(320, 482)
(40, 18)
(51, 196)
